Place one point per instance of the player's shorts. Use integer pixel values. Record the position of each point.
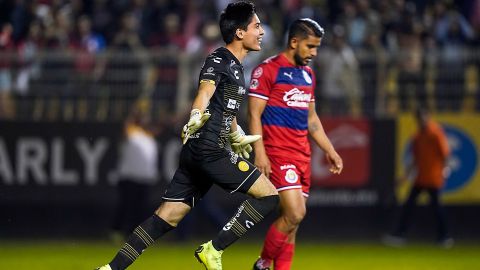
(290, 174)
(199, 170)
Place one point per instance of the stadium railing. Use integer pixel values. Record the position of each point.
(69, 86)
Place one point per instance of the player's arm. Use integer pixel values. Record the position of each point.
(198, 116)
(256, 106)
(233, 127)
(204, 94)
(315, 129)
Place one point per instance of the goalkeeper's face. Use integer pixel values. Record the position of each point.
(252, 37)
(306, 50)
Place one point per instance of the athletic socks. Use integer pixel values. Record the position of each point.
(142, 237)
(285, 257)
(250, 212)
(273, 244)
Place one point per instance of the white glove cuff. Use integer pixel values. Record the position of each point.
(240, 130)
(195, 114)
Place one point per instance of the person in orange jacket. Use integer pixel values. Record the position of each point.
(430, 154)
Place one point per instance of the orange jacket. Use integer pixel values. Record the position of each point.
(430, 151)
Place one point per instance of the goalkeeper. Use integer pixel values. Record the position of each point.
(205, 158)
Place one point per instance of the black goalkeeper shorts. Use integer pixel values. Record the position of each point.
(200, 167)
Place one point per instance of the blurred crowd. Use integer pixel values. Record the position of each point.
(96, 24)
(420, 50)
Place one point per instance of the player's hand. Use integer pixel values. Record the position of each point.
(335, 161)
(196, 121)
(241, 143)
(263, 164)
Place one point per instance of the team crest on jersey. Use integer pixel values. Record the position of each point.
(307, 77)
(291, 176)
(254, 84)
(258, 72)
(243, 166)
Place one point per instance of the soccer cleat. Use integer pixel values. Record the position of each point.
(105, 267)
(262, 264)
(207, 255)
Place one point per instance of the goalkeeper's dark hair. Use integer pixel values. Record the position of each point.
(302, 28)
(236, 15)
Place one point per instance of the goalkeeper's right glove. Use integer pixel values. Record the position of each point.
(241, 142)
(196, 121)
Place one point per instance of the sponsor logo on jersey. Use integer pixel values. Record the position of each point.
(227, 122)
(243, 166)
(297, 98)
(209, 71)
(231, 103)
(257, 73)
(290, 75)
(307, 77)
(241, 90)
(233, 157)
(235, 73)
(291, 176)
(217, 60)
(254, 84)
(287, 166)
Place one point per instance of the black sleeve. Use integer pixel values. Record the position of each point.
(213, 69)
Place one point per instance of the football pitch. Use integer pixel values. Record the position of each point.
(86, 255)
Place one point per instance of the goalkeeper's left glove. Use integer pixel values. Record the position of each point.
(241, 142)
(196, 121)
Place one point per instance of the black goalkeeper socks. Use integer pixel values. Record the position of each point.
(142, 237)
(250, 212)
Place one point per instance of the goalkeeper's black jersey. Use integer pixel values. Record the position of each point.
(224, 70)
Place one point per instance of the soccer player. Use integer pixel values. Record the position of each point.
(204, 158)
(282, 110)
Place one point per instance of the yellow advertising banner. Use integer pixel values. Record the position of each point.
(462, 185)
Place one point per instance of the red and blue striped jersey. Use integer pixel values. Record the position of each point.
(288, 90)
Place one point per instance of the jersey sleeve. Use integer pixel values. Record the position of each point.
(212, 70)
(262, 82)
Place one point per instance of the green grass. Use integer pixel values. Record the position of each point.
(80, 255)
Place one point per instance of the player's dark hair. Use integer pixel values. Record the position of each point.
(236, 15)
(302, 28)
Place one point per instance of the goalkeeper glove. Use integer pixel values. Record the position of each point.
(241, 142)
(196, 121)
